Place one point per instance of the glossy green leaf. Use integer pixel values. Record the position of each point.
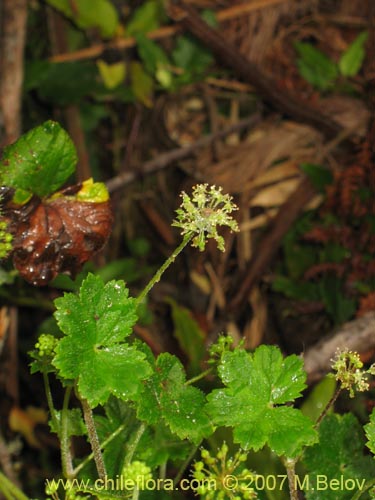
(315, 66)
(352, 59)
(167, 398)
(189, 336)
(39, 162)
(99, 14)
(338, 456)
(256, 384)
(96, 323)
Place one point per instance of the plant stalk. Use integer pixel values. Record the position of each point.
(93, 438)
(164, 267)
(329, 405)
(291, 472)
(104, 444)
(66, 456)
(133, 444)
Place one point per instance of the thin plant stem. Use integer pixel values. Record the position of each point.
(93, 438)
(10, 490)
(291, 473)
(103, 446)
(163, 268)
(163, 470)
(51, 407)
(135, 495)
(329, 405)
(184, 465)
(369, 484)
(133, 444)
(198, 377)
(66, 456)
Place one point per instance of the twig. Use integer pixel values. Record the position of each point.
(357, 335)
(159, 34)
(165, 159)
(267, 88)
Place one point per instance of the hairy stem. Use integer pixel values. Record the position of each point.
(66, 456)
(291, 472)
(104, 444)
(198, 377)
(329, 405)
(93, 438)
(163, 268)
(133, 444)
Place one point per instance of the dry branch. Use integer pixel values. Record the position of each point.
(266, 87)
(357, 335)
(177, 154)
(160, 33)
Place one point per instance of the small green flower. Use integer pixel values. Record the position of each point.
(200, 214)
(138, 472)
(46, 345)
(212, 474)
(5, 239)
(348, 367)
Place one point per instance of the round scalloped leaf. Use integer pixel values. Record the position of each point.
(39, 162)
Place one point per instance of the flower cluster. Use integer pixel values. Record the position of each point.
(46, 345)
(348, 367)
(200, 214)
(228, 474)
(5, 240)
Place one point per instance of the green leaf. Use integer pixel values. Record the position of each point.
(293, 289)
(39, 162)
(191, 56)
(190, 337)
(99, 14)
(319, 176)
(315, 66)
(154, 59)
(256, 384)
(141, 83)
(117, 413)
(146, 18)
(338, 456)
(338, 306)
(167, 398)
(112, 74)
(158, 446)
(95, 323)
(62, 83)
(370, 432)
(351, 60)
(75, 426)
